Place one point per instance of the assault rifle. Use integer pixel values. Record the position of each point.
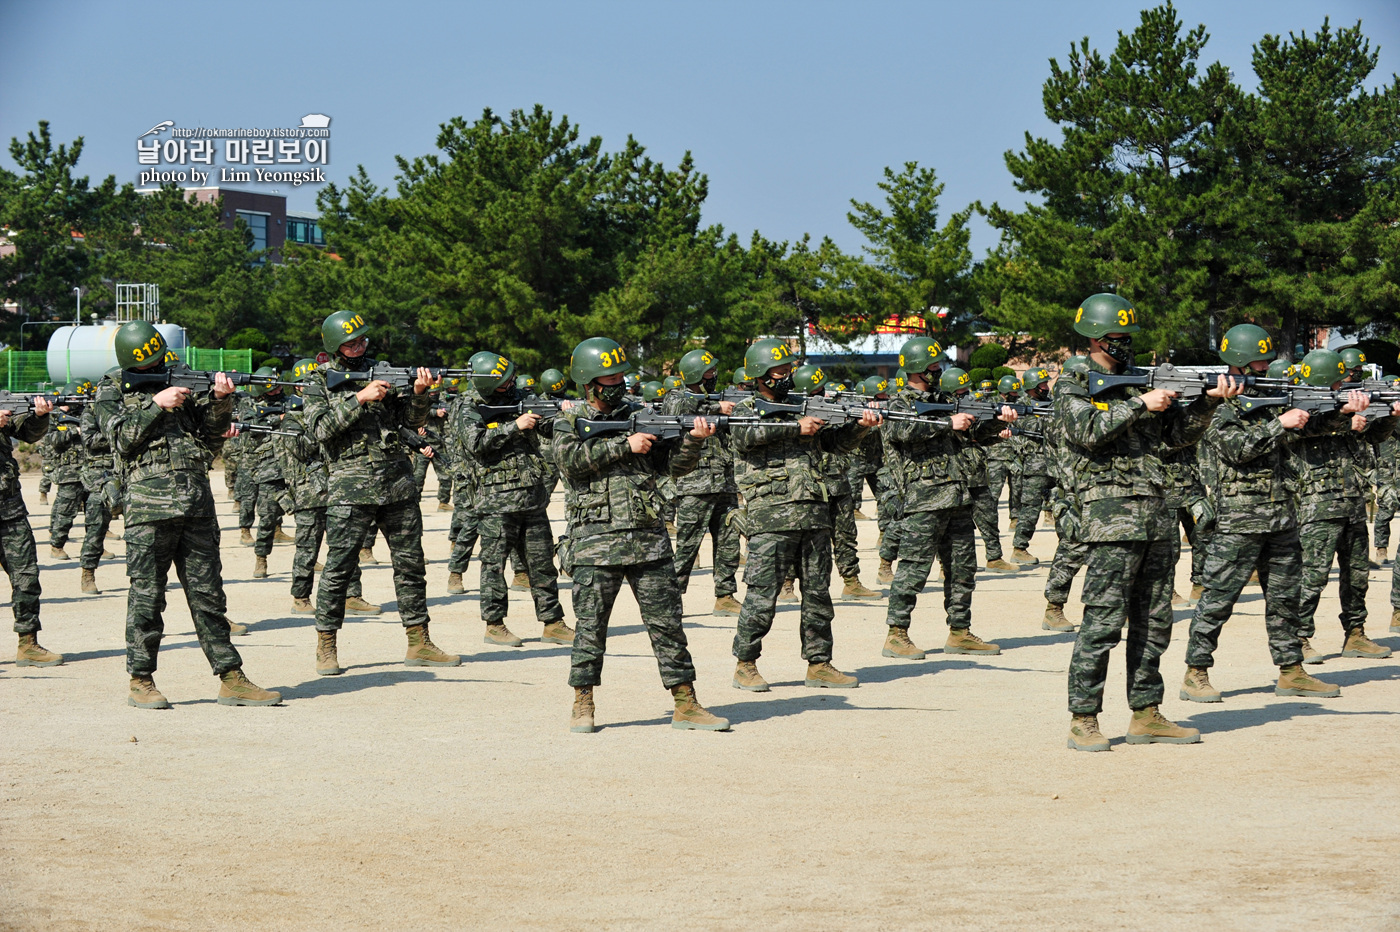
(1316, 400)
(135, 380)
(661, 426)
(729, 394)
(400, 377)
(246, 428)
(287, 406)
(544, 407)
(416, 441)
(834, 413)
(1188, 385)
(19, 403)
(980, 410)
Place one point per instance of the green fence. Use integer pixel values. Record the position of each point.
(28, 371)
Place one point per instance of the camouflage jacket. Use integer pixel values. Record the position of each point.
(780, 472)
(26, 428)
(464, 483)
(1331, 484)
(66, 448)
(303, 464)
(1387, 474)
(46, 457)
(715, 473)
(867, 458)
(932, 465)
(610, 497)
(263, 459)
(1114, 444)
(1183, 477)
(507, 463)
(98, 461)
(367, 458)
(164, 455)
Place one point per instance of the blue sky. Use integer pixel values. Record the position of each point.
(792, 109)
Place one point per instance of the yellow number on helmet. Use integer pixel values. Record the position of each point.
(777, 352)
(1307, 370)
(901, 360)
(1080, 316)
(1264, 346)
(817, 376)
(1224, 344)
(1123, 317)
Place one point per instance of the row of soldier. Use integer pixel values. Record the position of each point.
(759, 466)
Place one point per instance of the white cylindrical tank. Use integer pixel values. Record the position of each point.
(88, 351)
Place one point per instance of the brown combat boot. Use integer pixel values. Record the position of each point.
(1197, 590)
(1023, 557)
(235, 629)
(581, 721)
(1382, 556)
(1000, 566)
(727, 605)
(367, 556)
(885, 575)
(356, 605)
(1395, 621)
(89, 583)
(1357, 644)
(825, 676)
(260, 568)
(854, 590)
(444, 506)
(1011, 525)
(1292, 681)
(1055, 619)
(898, 645)
(521, 580)
(319, 566)
(303, 607)
(1179, 599)
(1254, 578)
(245, 536)
(1084, 734)
(454, 584)
(860, 515)
(746, 676)
(422, 652)
(744, 558)
(787, 594)
(144, 695)
(556, 632)
(44, 500)
(280, 537)
(690, 714)
(57, 553)
(30, 654)
(108, 555)
(237, 689)
(327, 663)
(1310, 654)
(1150, 726)
(963, 641)
(1196, 686)
(501, 636)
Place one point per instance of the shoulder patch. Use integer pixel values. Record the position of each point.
(1101, 405)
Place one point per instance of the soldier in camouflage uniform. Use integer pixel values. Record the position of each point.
(1251, 465)
(1003, 460)
(932, 461)
(984, 482)
(229, 455)
(371, 482)
(245, 489)
(778, 469)
(17, 551)
(507, 459)
(1186, 494)
(1113, 441)
(269, 486)
(1387, 494)
(1332, 491)
(45, 467)
(463, 532)
(865, 462)
(66, 449)
(618, 535)
(1032, 470)
(97, 475)
(166, 442)
(707, 495)
(842, 478)
(441, 460)
(1070, 552)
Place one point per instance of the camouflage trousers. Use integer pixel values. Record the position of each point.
(1230, 560)
(67, 501)
(21, 563)
(773, 558)
(97, 518)
(1387, 503)
(245, 491)
(463, 532)
(45, 479)
(984, 515)
(192, 545)
(442, 467)
(891, 507)
(269, 515)
(1000, 473)
(311, 530)
(230, 473)
(1070, 555)
(347, 530)
(956, 551)
(1349, 541)
(843, 535)
(1035, 489)
(1124, 582)
(696, 515)
(527, 532)
(659, 598)
(1200, 545)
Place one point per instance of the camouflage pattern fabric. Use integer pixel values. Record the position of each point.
(891, 509)
(1035, 491)
(984, 516)
(1069, 557)
(307, 479)
(843, 535)
(1000, 474)
(17, 552)
(1347, 539)
(68, 455)
(1123, 581)
(269, 508)
(697, 515)
(41, 446)
(310, 531)
(502, 533)
(97, 474)
(67, 501)
(1231, 559)
(1387, 484)
(945, 535)
(347, 531)
(773, 557)
(230, 452)
(654, 586)
(442, 461)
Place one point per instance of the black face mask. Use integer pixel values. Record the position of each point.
(709, 384)
(358, 363)
(779, 387)
(1119, 349)
(611, 395)
(508, 394)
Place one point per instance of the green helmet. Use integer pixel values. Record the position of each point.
(1103, 313)
(986, 385)
(1353, 357)
(340, 328)
(741, 377)
(1034, 378)
(553, 381)
(839, 387)
(257, 391)
(525, 384)
(919, 353)
(1322, 368)
(1244, 344)
(953, 379)
(1279, 369)
(653, 391)
(808, 379)
(673, 382)
(766, 354)
(138, 344)
(303, 368)
(633, 383)
(901, 379)
(1076, 364)
(598, 356)
(695, 364)
(489, 372)
(875, 385)
(1009, 384)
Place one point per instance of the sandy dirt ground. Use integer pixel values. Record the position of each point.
(939, 794)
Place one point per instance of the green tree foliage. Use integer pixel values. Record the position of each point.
(989, 356)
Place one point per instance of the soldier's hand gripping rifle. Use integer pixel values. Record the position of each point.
(1316, 401)
(660, 426)
(1188, 385)
(399, 377)
(19, 403)
(831, 413)
(135, 380)
(416, 441)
